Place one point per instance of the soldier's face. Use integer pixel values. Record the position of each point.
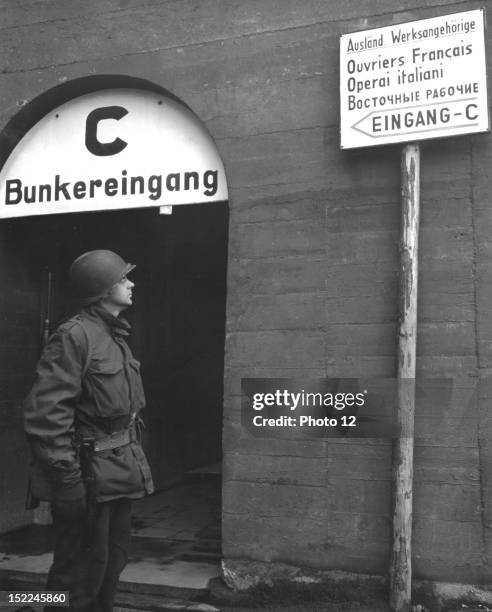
(121, 293)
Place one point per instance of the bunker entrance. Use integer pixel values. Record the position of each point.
(178, 328)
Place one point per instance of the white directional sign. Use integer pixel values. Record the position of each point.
(414, 81)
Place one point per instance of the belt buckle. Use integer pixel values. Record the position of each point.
(113, 440)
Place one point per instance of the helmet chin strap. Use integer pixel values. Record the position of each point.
(114, 308)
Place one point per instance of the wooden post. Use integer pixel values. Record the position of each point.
(401, 552)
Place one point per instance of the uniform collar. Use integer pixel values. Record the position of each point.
(118, 326)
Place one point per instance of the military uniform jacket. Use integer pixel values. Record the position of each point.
(87, 385)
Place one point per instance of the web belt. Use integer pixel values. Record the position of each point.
(116, 440)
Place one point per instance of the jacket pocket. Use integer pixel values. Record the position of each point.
(116, 475)
(108, 388)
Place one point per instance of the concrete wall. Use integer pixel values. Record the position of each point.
(313, 258)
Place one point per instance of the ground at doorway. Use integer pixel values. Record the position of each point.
(175, 551)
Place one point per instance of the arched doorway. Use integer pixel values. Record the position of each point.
(59, 199)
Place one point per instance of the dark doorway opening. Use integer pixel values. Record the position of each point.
(178, 319)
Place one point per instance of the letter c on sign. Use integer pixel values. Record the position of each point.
(93, 118)
(468, 112)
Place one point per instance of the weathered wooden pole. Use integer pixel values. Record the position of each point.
(401, 552)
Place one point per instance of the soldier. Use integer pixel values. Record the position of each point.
(81, 419)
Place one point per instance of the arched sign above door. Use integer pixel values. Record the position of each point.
(112, 149)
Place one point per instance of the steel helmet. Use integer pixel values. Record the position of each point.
(93, 274)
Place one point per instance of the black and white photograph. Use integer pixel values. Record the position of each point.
(246, 306)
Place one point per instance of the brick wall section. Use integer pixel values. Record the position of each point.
(313, 260)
